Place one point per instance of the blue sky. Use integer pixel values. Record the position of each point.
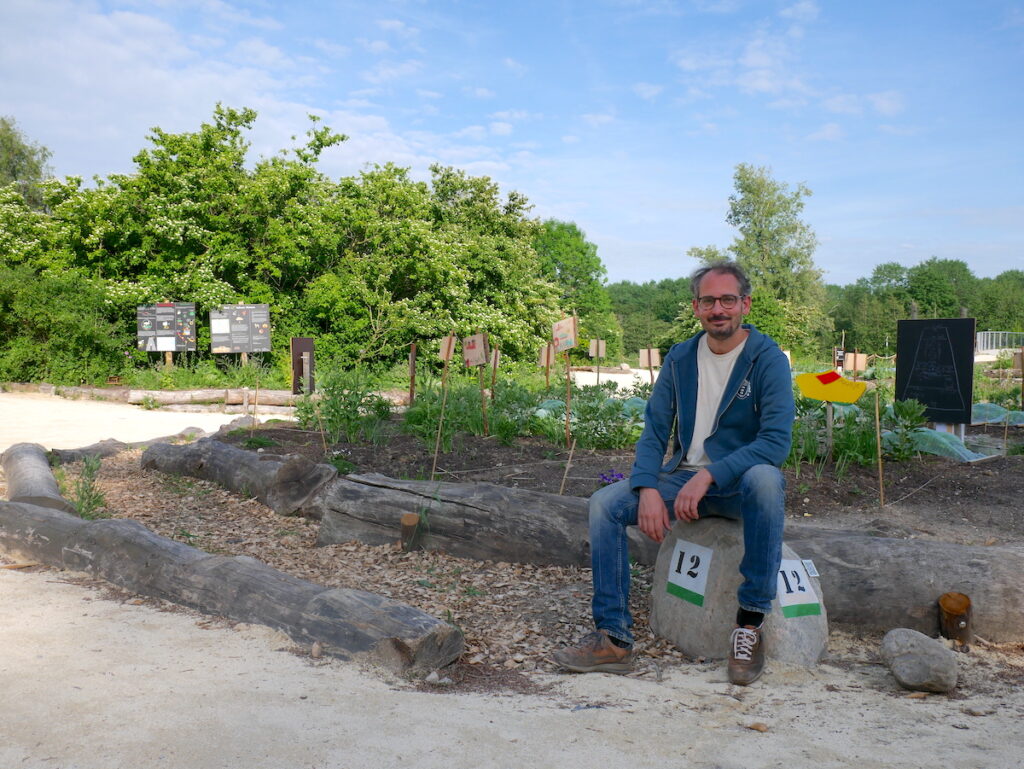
(626, 116)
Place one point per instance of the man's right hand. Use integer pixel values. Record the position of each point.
(652, 514)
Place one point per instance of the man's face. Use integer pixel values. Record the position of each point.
(719, 322)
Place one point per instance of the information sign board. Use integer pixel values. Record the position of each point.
(240, 328)
(166, 327)
(935, 365)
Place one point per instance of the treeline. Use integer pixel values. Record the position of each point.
(365, 264)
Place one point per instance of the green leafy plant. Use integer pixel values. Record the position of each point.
(86, 496)
(348, 407)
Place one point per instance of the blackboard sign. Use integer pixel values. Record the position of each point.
(166, 327)
(935, 365)
(240, 328)
(302, 365)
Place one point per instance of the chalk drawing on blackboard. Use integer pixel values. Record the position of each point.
(933, 375)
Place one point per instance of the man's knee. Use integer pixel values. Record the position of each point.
(763, 480)
(607, 503)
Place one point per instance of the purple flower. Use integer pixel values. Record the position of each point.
(612, 476)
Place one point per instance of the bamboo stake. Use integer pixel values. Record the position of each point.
(568, 464)
(412, 373)
(483, 398)
(878, 446)
(440, 419)
(568, 397)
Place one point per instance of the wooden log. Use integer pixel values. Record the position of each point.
(233, 396)
(283, 483)
(883, 583)
(348, 623)
(29, 478)
(474, 520)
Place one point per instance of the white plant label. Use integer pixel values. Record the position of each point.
(688, 572)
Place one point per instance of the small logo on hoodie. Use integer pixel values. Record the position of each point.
(744, 391)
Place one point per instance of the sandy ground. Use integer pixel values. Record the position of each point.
(90, 681)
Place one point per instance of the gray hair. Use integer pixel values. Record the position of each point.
(725, 267)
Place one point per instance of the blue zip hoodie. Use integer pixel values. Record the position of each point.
(753, 425)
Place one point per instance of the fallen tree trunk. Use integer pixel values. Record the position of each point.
(472, 520)
(29, 478)
(882, 583)
(284, 484)
(348, 623)
(869, 581)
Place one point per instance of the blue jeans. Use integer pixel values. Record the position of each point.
(758, 499)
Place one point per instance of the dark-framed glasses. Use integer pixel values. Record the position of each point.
(728, 301)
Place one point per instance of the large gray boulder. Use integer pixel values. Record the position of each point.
(693, 598)
(918, 662)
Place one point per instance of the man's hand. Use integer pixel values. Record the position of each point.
(691, 494)
(652, 515)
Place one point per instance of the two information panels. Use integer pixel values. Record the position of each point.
(171, 327)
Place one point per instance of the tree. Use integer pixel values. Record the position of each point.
(776, 249)
(570, 262)
(22, 162)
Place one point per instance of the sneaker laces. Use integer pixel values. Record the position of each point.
(743, 643)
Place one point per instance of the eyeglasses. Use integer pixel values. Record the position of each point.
(728, 301)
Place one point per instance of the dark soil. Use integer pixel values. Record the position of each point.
(979, 503)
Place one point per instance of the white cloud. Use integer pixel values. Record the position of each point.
(597, 119)
(803, 11)
(391, 70)
(331, 49)
(256, 53)
(375, 46)
(830, 132)
(843, 104)
(887, 102)
(479, 93)
(514, 66)
(230, 13)
(514, 114)
(425, 94)
(647, 90)
(501, 128)
(570, 139)
(475, 132)
(399, 28)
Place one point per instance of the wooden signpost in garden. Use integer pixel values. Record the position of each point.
(546, 361)
(563, 338)
(474, 354)
(446, 352)
(649, 358)
(597, 350)
(412, 373)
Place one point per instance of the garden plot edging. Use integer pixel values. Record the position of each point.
(351, 624)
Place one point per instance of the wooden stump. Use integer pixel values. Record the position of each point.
(29, 478)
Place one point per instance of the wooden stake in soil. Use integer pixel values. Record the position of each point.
(495, 362)
(412, 373)
(410, 531)
(829, 421)
(568, 464)
(447, 348)
(878, 448)
(568, 397)
(255, 404)
(483, 398)
(169, 359)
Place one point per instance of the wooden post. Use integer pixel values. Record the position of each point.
(412, 373)
(878, 448)
(169, 359)
(244, 358)
(483, 398)
(547, 368)
(495, 360)
(828, 430)
(255, 405)
(568, 464)
(444, 401)
(410, 531)
(955, 618)
(568, 396)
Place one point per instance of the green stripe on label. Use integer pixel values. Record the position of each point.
(687, 595)
(801, 610)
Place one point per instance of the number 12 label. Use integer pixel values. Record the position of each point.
(688, 572)
(796, 593)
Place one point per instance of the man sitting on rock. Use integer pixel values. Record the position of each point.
(728, 392)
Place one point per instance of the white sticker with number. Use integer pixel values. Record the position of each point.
(796, 593)
(688, 572)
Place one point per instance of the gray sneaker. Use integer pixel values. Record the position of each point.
(594, 654)
(746, 655)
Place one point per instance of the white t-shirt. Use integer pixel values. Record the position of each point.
(713, 372)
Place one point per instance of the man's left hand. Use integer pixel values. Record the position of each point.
(691, 494)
